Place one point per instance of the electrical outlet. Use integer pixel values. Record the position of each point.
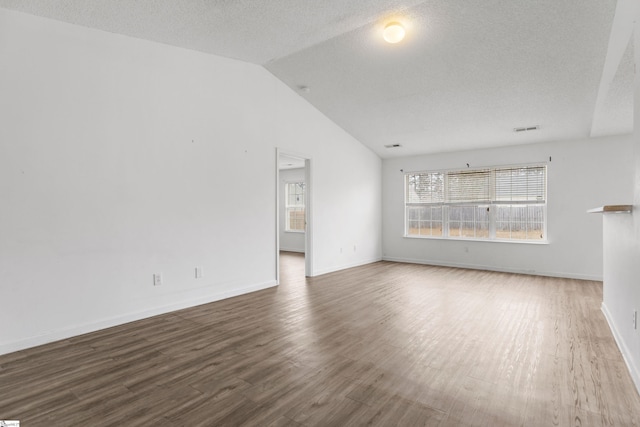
(635, 319)
(157, 279)
(199, 273)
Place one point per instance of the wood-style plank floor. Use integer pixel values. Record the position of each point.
(384, 344)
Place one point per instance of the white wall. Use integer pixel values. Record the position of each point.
(575, 238)
(347, 231)
(622, 252)
(289, 240)
(120, 158)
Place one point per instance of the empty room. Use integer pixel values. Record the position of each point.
(334, 213)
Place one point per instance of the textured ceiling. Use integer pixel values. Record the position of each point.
(466, 75)
(616, 115)
(287, 161)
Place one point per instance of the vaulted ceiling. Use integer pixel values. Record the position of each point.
(466, 75)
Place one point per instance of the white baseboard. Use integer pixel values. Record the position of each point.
(627, 355)
(292, 250)
(122, 319)
(498, 269)
(344, 266)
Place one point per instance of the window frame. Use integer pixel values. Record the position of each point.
(287, 207)
(493, 204)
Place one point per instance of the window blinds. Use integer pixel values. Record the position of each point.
(522, 184)
(469, 186)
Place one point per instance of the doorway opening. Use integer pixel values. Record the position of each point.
(293, 225)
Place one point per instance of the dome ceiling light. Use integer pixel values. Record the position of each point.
(393, 32)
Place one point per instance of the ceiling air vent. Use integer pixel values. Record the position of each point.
(392, 146)
(526, 129)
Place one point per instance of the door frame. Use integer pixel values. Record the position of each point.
(308, 229)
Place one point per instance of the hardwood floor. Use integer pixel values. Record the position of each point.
(384, 344)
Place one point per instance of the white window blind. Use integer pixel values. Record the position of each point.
(521, 184)
(468, 186)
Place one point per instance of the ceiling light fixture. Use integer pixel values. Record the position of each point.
(393, 32)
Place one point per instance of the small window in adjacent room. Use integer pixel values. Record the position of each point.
(294, 206)
(497, 203)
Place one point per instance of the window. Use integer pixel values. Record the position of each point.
(501, 203)
(294, 206)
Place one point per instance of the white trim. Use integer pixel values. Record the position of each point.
(298, 250)
(478, 239)
(277, 279)
(308, 233)
(344, 266)
(627, 355)
(564, 275)
(70, 332)
(308, 228)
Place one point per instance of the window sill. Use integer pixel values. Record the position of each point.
(458, 239)
(294, 231)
